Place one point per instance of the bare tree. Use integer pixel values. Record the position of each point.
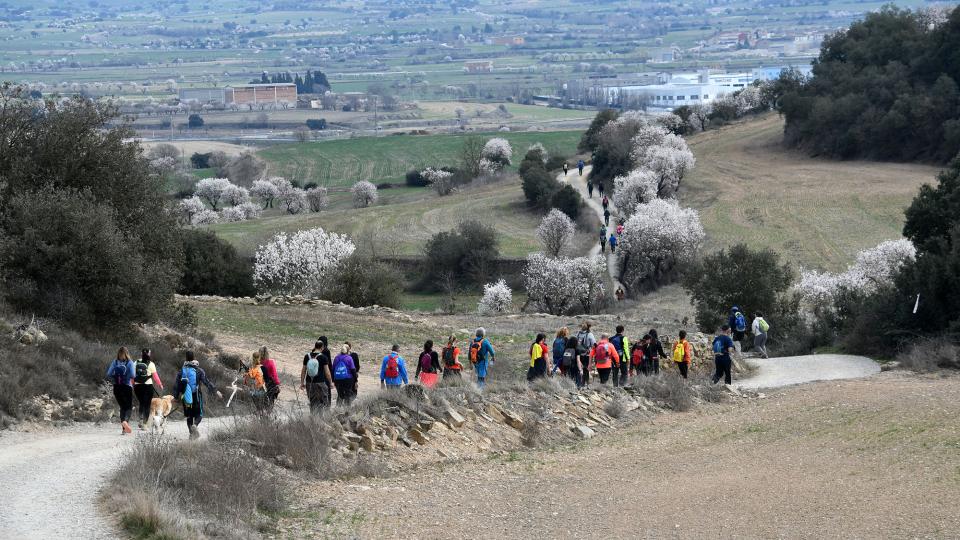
(470, 155)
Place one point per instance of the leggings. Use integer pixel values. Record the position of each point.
(620, 373)
(124, 395)
(683, 366)
(194, 413)
(604, 373)
(344, 391)
(144, 393)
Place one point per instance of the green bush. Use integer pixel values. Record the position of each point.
(568, 201)
(555, 163)
(461, 257)
(212, 266)
(589, 141)
(415, 179)
(363, 281)
(538, 186)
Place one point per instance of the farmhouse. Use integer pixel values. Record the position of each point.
(217, 96)
(260, 94)
(478, 66)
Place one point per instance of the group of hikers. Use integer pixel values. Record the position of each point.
(577, 356)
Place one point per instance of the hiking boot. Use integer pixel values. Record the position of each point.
(126, 427)
(194, 433)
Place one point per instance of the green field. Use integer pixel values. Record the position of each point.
(818, 213)
(387, 158)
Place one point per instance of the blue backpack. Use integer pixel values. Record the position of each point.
(559, 345)
(119, 372)
(340, 370)
(741, 322)
(617, 342)
(718, 345)
(188, 380)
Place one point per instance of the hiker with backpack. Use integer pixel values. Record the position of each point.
(121, 372)
(600, 191)
(638, 357)
(482, 355)
(253, 378)
(190, 378)
(606, 358)
(760, 328)
(538, 358)
(451, 359)
(653, 353)
(580, 165)
(566, 167)
(738, 327)
(585, 344)
(603, 239)
(571, 361)
(723, 347)
(315, 376)
(271, 379)
(145, 376)
(344, 371)
(622, 345)
(393, 369)
(428, 366)
(559, 346)
(604, 201)
(356, 370)
(613, 243)
(606, 217)
(682, 354)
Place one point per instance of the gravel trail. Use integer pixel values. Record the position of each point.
(787, 371)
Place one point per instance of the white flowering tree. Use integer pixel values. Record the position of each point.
(555, 232)
(872, 269)
(498, 153)
(557, 285)
(671, 122)
(211, 189)
(658, 239)
(537, 149)
(364, 194)
(266, 190)
(666, 155)
(205, 217)
(234, 195)
(497, 298)
(317, 198)
(441, 181)
(294, 200)
(188, 208)
(232, 214)
(249, 209)
(303, 263)
(636, 187)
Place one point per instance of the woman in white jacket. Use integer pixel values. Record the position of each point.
(760, 328)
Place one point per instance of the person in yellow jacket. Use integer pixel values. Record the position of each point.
(538, 358)
(682, 354)
(605, 357)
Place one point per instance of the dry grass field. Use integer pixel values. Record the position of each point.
(818, 213)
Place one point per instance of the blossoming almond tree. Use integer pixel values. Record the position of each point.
(555, 232)
(637, 187)
(557, 285)
(211, 189)
(317, 198)
(658, 238)
(873, 268)
(234, 195)
(441, 181)
(266, 190)
(303, 263)
(498, 153)
(190, 207)
(364, 194)
(497, 298)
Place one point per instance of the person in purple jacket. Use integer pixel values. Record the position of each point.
(344, 373)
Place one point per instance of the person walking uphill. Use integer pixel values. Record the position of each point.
(344, 371)
(622, 345)
(121, 373)
(315, 376)
(566, 167)
(452, 368)
(654, 352)
(428, 366)
(580, 165)
(722, 349)
(393, 369)
(586, 341)
(760, 328)
(271, 378)
(482, 355)
(538, 358)
(606, 357)
(738, 327)
(682, 354)
(145, 376)
(559, 346)
(189, 382)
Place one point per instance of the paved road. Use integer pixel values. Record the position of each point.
(778, 372)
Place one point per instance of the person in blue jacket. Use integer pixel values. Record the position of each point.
(738, 328)
(722, 348)
(190, 380)
(120, 373)
(485, 356)
(580, 165)
(393, 370)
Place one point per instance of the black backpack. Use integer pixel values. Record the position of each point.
(142, 373)
(448, 356)
(569, 359)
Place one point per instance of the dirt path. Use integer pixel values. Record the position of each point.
(579, 182)
(867, 458)
(779, 372)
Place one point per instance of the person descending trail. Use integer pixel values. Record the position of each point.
(428, 366)
(393, 369)
(682, 354)
(121, 373)
(538, 358)
(620, 294)
(613, 243)
(606, 358)
(589, 188)
(586, 341)
(452, 368)
(344, 371)
(566, 167)
(271, 379)
(622, 345)
(482, 355)
(315, 376)
(738, 326)
(580, 165)
(144, 378)
(571, 361)
(760, 328)
(559, 347)
(189, 381)
(654, 352)
(723, 347)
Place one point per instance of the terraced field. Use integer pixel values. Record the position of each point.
(818, 213)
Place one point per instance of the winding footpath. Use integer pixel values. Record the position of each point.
(580, 184)
(52, 477)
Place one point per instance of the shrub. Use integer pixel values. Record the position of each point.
(931, 354)
(615, 408)
(555, 163)
(364, 194)
(199, 160)
(194, 121)
(567, 200)
(668, 390)
(317, 123)
(362, 281)
(212, 266)
(415, 178)
(462, 256)
(538, 186)
(590, 139)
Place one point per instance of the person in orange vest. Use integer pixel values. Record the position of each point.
(682, 354)
(605, 357)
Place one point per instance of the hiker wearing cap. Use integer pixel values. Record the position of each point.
(482, 355)
(315, 376)
(738, 328)
(190, 378)
(393, 369)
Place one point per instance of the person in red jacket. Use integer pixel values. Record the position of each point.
(270, 376)
(605, 357)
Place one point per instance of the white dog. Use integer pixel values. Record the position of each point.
(160, 409)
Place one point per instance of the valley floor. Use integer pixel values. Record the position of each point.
(877, 457)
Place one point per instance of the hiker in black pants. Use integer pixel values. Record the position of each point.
(654, 352)
(722, 348)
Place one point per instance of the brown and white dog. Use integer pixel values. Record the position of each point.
(160, 409)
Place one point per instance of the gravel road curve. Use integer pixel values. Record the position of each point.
(787, 371)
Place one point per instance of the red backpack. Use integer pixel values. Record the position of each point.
(393, 367)
(636, 357)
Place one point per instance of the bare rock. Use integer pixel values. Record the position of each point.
(495, 413)
(418, 436)
(584, 432)
(455, 418)
(284, 461)
(513, 420)
(366, 442)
